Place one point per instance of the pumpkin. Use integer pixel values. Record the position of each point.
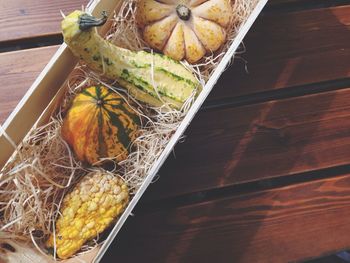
(100, 124)
(184, 29)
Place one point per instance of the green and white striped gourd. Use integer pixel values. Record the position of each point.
(152, 78)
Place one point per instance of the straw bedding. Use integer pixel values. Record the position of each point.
(43, 168)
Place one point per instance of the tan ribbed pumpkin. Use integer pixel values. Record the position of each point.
(184, 29)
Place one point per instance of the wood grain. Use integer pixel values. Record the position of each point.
(302, 47)
(279, 225)
(17, 72)
(27, 19)
(244, 144)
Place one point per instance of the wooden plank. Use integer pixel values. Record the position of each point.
(24, 18)
(289, 49)
(235, 145)
(17, 72)
(279, 225)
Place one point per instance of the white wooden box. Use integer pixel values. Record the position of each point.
(41, 100)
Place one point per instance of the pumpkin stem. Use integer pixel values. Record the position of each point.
(183, 12)
(87, 21)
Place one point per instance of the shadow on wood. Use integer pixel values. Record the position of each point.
(228, 146)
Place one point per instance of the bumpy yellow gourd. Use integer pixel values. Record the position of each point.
(95, 202)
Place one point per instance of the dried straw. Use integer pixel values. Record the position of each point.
(43, 168)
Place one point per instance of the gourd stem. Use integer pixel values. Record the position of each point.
(183, 12)
(87, 21)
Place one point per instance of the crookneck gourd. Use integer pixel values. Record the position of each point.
(152, 78)
(184, 29)
(100, 124)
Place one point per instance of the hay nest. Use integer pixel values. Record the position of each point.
(43, 167)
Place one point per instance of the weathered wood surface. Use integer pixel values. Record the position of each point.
(279, 225)
(18, 70)
(277, 138)
(23, 19)
(302, 47)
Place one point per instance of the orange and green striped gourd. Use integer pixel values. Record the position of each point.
(100, 124)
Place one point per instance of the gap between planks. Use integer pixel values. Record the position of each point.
(231, 146)
(146, 205)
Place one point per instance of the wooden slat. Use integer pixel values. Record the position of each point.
(18, 70)
(24, 18)
(277, 138)
(280, 225)
(291, 49)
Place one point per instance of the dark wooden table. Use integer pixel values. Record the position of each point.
(264, 173)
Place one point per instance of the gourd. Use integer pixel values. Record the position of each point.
(152, 78)
(100, 124)
(92, 205)
(184, 29)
